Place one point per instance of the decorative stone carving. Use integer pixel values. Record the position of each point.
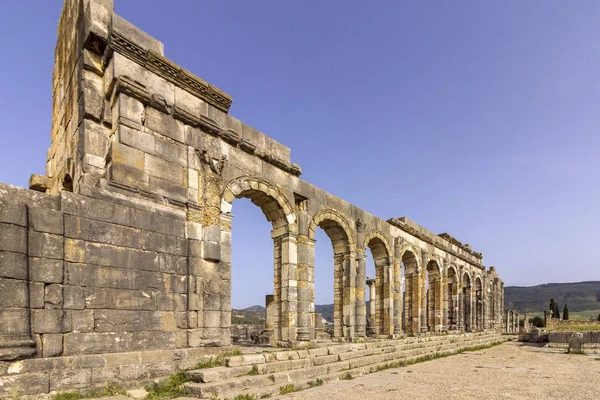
(361, 226)
(215, 164)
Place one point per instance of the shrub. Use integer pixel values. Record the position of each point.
(289, 388)
(537, 321)
(598, 317)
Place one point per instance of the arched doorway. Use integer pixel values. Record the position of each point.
(273, 204)
(344, 278)
(412, 292)
(380, 296)
(433, 297)
(466, 302)
(451, 296)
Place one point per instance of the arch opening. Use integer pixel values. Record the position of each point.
(412, 293)
(451, 299)
(278, 325)
(433, 307)
(380, 320)
(466, 302)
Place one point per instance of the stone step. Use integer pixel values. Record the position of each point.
(303, 379)
(265, 366)
(251, 383)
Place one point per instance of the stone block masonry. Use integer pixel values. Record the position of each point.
(119, 258)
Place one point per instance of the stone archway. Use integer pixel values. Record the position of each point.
(380, 297)
(434, 296)
(344, 271)
(279, 213)
(412, 291)
(451, 299)
(466, 303)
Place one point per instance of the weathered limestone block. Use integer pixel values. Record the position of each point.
(36, 295)
(159, 168)
(69, 380)
(27, 384)
(50, 321)
(576, 343)
(107, 298)
(12, 213)
(46, 245)
(13, 293)
(247, 359)
(53, 296)
(82, 320)
(13, 265)
(73, 298)
(46, 270)
(127, 321)
(557, 337)
(52, 345)
(48, 221)
(124, 257)
(128, 112)
(136, 139)
(13, 238)
(91, 104)
(102, 232)
(15, 322)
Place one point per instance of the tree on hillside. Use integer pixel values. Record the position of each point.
(556, 311)
(565, 313)
(552, 306)
(598, 317)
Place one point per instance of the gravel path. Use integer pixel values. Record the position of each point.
(509, 371)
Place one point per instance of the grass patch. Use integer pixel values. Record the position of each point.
(220, 360)
(110, 390)
(347, 376)
(315, 383)
(169, 389)
(583, 327)
(253, 371)
(289, 388)
(245, 396)
(266, 396)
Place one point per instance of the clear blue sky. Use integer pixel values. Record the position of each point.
(481, 119)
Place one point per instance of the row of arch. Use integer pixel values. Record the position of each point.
(414, 292)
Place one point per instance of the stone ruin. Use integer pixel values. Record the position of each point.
(117, 263)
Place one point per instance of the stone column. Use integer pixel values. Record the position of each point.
(397, 294)
(306, 287)
(338, 295)
(507, 322)
(372, 325)
(289, 286)
(360, 310)
(270, 307)
(387, 298)
(439, 304)
(413, 302)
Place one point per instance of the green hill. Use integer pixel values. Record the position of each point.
(579, 296)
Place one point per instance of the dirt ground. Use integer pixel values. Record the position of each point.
(508, 371)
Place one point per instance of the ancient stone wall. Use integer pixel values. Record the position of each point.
(129, 248)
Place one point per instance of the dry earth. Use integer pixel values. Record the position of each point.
(509, 371)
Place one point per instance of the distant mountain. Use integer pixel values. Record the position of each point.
(257, 309)
(249, 315)
(578, 296)
(326, 311)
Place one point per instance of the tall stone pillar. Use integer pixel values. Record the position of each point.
(289, 286)
(397, 293)
(372, 317)
(360, 305)
(270, 311)
(338, 295)
(438, 299)
(386, 298)
(306, 287)
(413, 302)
